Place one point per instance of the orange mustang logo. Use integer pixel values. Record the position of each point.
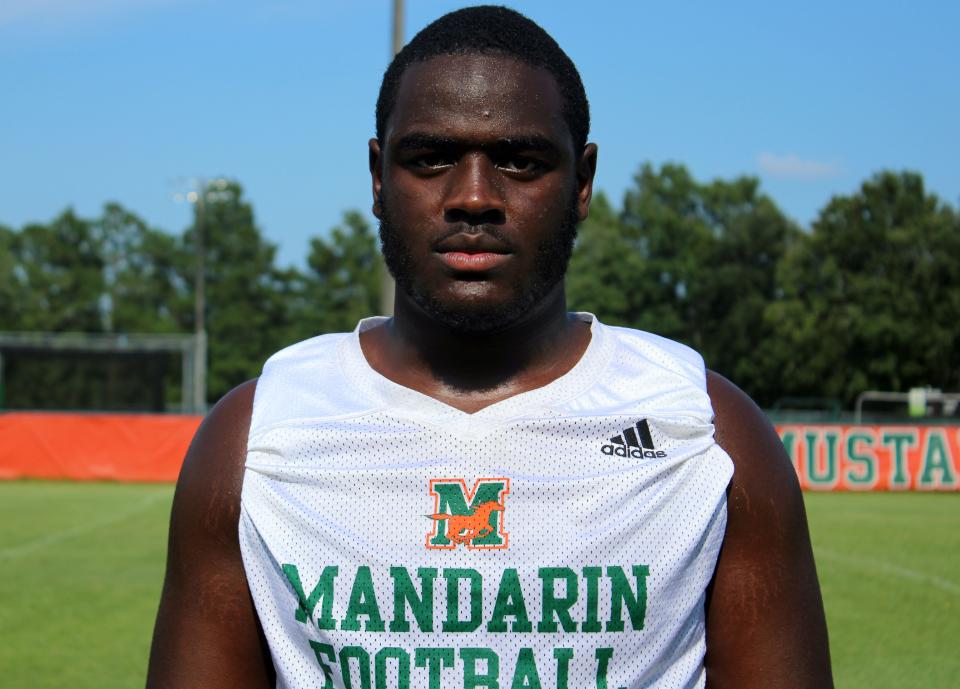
(463, 528)
(471, 517)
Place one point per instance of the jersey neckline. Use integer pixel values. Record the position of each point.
(423, 408)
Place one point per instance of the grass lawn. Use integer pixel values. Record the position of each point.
(889, 569)
(81, 567)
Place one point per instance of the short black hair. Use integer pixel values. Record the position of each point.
(489, 29)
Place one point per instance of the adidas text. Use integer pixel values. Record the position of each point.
(634, 452)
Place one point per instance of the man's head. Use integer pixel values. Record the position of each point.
(480, 173)
(490, 30)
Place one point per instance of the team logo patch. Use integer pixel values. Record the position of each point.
(635, 442)
(470, 517)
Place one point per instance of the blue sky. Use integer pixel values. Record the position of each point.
(127, 100)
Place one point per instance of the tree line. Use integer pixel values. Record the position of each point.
(868, 297)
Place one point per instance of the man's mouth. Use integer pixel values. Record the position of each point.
(472, 252)
(472, 262)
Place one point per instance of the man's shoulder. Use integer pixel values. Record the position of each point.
(216, 458)
(318, 348)
(761, 465)
(640, 350)
(314, 359)
(319, 377)
(637, 372)
(645, 341)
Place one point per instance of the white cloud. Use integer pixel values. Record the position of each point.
(791, 166)
(59, 11)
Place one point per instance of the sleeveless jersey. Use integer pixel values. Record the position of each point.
(561, 538)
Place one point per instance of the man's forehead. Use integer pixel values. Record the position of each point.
(482, 94)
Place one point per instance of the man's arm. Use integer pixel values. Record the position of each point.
(207, 633)
(765, 621)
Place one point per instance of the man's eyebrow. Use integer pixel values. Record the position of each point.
(419, 140)
(526, 143)
(513, 144)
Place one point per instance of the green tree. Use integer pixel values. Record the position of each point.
(343, 284)
(61, 277)
(663, 213)
(871, 296)
(737, 280)
(247, 317)
(143, 289)
(12, 290)
(111, 273)
(691, 261)
(605, 258)
(60, 270)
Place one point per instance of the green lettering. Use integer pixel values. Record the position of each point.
(525, 675)
(434, 659)
(592, 575)
(323, 591)
(363, 601)
(403, 667)
(553, 605)
(453, 623)
(321, 650)
(509, 603)
(563, 656)
(867, 476)
(936, 458)
(363, 666)
(472, 677)
(603, 656)
(404, 592)
(789, 440)
(901, 443)
(827, 476)
(620, 593)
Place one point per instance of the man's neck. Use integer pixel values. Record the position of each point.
(470, 371)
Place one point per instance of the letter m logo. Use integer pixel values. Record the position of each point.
(472, 517)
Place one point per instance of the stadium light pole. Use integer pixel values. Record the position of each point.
(199, 303)
(202, 191)
(397, 26)
(209, 190)
(195, 379)
(387, 286)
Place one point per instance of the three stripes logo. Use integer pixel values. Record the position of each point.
(634, 442)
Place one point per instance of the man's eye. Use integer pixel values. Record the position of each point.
(431, 161)
(519, 165)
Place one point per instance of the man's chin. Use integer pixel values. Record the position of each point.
(471, 317)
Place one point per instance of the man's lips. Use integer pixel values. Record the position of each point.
(472, 262)
(472, 252)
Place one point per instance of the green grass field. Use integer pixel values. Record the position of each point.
(81, 567)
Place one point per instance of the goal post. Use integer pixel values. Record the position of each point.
(77, 345)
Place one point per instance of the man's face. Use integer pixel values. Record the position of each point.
(478, 189)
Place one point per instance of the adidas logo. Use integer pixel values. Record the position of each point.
(633, 442)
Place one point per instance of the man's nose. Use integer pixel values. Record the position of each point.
(475, 194)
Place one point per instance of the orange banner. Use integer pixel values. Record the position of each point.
(150, 447)
(861, 457)
(116, 447)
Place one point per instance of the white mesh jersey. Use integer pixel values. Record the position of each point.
(562, 538)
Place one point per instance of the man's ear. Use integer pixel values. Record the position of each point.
(376, 174)
(586, 169)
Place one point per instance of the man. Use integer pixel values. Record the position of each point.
(485, 490)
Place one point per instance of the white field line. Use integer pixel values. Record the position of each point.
(95, 525)
(869, 563)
